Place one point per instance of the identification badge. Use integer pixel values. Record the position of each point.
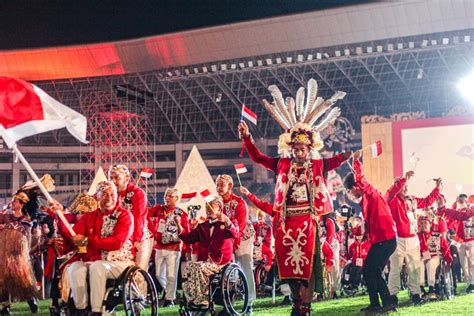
(161, 226)
(359, 262)
(426, 255)
(301, 193)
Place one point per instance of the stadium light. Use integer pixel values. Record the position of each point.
(465, 87)
(278, 60)
(289, 59)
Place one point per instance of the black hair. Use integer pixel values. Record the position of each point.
(462, 196)
(349, 181)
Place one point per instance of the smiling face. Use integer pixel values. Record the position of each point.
(107, 198)
(300, 152)
(120, 179)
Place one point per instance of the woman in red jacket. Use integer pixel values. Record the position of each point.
(381, 233)
(216, 237)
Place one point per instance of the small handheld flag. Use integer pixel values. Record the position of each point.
(208, 197)
(376, 149)
(240, 168)
(146, 173)
(249, 115)
(186, 197)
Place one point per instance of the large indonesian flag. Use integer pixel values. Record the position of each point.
(26, 110)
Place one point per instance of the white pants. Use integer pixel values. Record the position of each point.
(336, 271)
(166, 267)
(466, 256)
(408, 249)
(244, 257)
(431, 265)
(99, 271)
(143, 255)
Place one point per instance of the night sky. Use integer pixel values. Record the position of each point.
(38, 23)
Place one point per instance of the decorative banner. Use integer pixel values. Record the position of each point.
(240, 168)
(249, 115)
(146, 172)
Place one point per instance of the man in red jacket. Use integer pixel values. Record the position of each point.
(464, 217)
(236, 209)
(403, 207)
(168, 245)
(106, 232)
(381, 233)
(263, 241)
(133, 199)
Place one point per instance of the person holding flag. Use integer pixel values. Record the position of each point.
(381, 233)
(301, 195)
(403, 207)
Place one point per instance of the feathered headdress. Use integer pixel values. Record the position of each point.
(298, 118)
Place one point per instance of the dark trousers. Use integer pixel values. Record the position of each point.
(377, 259)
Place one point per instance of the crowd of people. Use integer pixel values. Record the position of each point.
(297, 236)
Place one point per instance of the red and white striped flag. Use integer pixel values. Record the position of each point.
(240, 168)
(376, 149)
(249, 115)
(186, 197)
(146, 173)
(208, 197)
(26, 110)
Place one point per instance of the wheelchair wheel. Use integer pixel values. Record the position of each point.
(235, 290)
(139, 293)
(260, 275)
(346, 287)
(446, 283)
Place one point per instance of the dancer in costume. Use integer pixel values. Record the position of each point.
(301, 195)
(133, 199)
(17, 281)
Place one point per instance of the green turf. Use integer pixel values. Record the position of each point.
(462, 304)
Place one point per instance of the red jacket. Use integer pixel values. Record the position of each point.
(102, 240)
(377, 215)
(161, 216)
(465, 225)
(435, 244)
(263, 239)
(358, 250)
(398, 207)
(327, 254)
(219, 247)
(133, 199)
(236, 210)
(282, 166)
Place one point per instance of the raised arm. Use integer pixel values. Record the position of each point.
(262, 205)
(336, 161)
(458, 215)
(431, 198)
(393, 191)
(255, 154)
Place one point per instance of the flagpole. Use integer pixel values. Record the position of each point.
(238, 178)
(41, 187)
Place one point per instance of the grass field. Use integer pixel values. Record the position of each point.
(462, 304)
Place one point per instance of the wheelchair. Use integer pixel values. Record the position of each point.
(227, 288)
(444, 281)
(260, 275)
(134, 289)
(350, 274)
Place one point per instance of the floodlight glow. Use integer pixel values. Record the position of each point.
(465, 87)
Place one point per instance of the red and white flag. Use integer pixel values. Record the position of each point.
(146, 172)
(186, 197)
(26, 110)
(208, 196)
(249, 115)
(376, 149)
(240, 168)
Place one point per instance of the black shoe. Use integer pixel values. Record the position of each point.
(5, 310)
(390, 307)
(286, 301)
(95, 314)
(249, 310)
(417, 300)
(168, 303)
(371, 309)
(470, 289)
(33, 304)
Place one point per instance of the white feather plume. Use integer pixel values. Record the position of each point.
(329, 119)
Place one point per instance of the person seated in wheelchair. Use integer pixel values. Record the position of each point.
(357, 253)
(106, 234)
(216, 236)
(433, 247)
